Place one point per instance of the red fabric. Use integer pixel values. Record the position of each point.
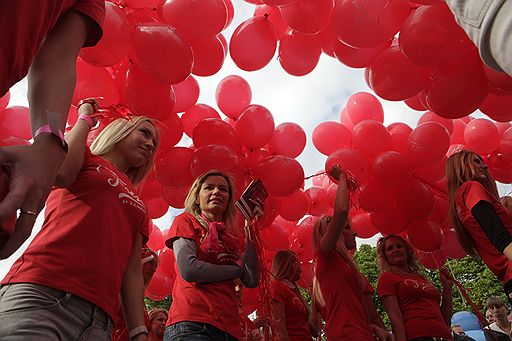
(368, 288)
(87, 237)
(419, 303)
(296, 314)
(214, 303)
(344, 312)
(24, 25)
(467, 196)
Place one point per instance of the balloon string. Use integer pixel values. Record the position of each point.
(309, 177)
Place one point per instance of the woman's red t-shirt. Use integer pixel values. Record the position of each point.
(419, 303)
(467, 196)
(215, 303)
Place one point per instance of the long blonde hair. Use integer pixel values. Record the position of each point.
(192, 207)
(285, 264)
(118, 130)
(383, 261)
(319, 230)
(459, 169)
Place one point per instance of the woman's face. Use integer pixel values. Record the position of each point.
(214, 195)
(138, 147)
(479, 166)
(395, 252)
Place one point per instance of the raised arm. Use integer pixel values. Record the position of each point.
(446, 304)
(76, 140)
(340, 215)
(193, 269)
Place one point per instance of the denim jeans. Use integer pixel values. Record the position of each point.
(35, 312)
(195, 331)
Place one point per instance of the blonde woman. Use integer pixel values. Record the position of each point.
(207, 246)
(67, 284)
(339, 286)
(290, 311)
(410, 300)
(483, 226)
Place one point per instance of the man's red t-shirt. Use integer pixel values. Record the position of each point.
(215, 303)
(296, 314)
(344, 313)
(87, 236)
(467, 196)
(24, 25)
(419, 303)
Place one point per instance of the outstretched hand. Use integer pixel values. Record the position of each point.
(336, 172)
(32, 171)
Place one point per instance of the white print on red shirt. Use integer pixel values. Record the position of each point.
(127, 197)
(419, 285)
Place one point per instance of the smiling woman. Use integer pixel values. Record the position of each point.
(207, 247)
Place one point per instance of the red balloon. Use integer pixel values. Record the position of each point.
(458, 88)
(390, 221)
(331, 194)
(156, 239)
(209, 55)
(357, 57)
(432, 260)
(415, 200)
(143, 3)
(172, 167)
(364, 106)
(274, 237)
(368, 23)
(175, 196)
(308, 16)
(144, 15)
(160, 287)
(431, 173)
(351, 160)
(427, 143)
(371, 138)
(196, 114)
(231, 13)
(196, 20)
(15, 121)
(151, 189)
(375, 196)
(330, 136)
(4, 101)
(482, 136)
(157, 208)
(278, 3)
(440, 210)
(430, 116)
(298, 53)
(250, 298)
(215, 131)
(457, 136)
(274, 15)
(304, 231)
(256, 157)
(187, 93)
(417, 102)
(220, 158)
(289, 139)
(233, 95)
(394, 77)
(318, 197)
(146, 97)
(255, 126)
(93, 81)
(115, 42)
(281, 175)
(345, 120)
(173, 62)
(451, 245)
(171, 131)
(500, 81)
(253, 44)
(425, 235)
(362, 225)
(294, 206)
(166, 261)
(391, 168)
(498, 106)
(430, 36)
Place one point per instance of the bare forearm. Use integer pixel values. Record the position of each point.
(132, 289)
(74, 160)
(250, 276)
(446, 305)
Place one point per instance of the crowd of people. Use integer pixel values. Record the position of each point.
(84, 274)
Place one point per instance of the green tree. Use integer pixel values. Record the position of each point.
(163, 304)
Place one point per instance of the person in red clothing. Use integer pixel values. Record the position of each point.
(410, 300)
(290, 311)
(206, 244)
(42, 39)
(157, 317)
(339, 285)
(68, 282)
(482, 225)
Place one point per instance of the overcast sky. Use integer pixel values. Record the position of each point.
(306, 100)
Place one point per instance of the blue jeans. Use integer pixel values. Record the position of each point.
(35, 312)
(195, 331)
